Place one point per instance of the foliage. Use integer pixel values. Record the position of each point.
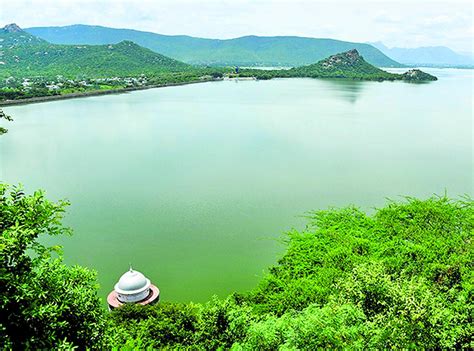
(6, 117)
(214, 325)
(331, 326)
(43, 303)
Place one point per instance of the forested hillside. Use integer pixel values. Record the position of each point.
(24, 55)
(244, 51)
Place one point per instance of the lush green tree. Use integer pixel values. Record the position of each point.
(43, 303)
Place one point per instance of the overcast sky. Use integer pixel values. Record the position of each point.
(401, 23)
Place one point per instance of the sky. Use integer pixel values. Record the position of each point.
(402, 23)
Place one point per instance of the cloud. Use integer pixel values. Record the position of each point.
(386, 18)
(438, 20)
(400, 23)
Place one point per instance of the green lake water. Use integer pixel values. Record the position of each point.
(194, 184)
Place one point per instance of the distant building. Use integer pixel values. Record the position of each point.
(133, 287)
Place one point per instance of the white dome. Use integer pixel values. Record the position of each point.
(132, 282)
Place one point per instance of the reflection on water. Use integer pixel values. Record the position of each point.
(192, 184)
(348, 90)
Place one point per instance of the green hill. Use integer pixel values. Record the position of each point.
(23, 55)
(349, 64)
(244, 51)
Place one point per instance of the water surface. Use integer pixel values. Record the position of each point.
(193, 184)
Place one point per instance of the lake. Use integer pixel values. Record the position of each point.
(194, 185)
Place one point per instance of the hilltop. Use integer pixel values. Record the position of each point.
(243, 51)
(23, 54)
(348, 64)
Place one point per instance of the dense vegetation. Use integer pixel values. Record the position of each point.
(401, 278)
(43, 303)
(244, 51)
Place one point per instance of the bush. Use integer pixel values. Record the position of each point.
(43, 303)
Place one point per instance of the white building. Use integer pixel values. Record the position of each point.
(133, 287)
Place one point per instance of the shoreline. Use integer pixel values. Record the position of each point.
(39, 99)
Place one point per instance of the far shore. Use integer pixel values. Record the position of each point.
(39, 99)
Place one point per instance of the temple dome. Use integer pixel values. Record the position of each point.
(132, 282)
(133, 287)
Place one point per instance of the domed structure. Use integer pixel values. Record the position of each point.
(133, 287)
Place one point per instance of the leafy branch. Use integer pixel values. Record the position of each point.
(8, 118)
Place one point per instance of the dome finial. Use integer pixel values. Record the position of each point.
(131, 269)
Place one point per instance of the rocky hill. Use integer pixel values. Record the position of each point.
(417, 75)
(12, 36)
(351, 64)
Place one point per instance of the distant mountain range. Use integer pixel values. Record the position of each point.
(23, 54)
(244, 51)
(429, 55)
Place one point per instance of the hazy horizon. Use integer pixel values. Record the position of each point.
(400, 24)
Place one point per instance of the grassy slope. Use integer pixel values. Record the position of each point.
(249, 50)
